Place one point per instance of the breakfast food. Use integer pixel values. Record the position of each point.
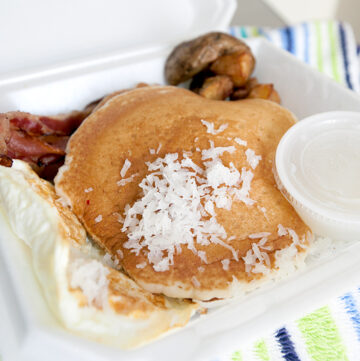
(38, 140)
(180, 190)
(175, 191)
(41, 140)
(83, 289)
(194, 56)
(220, 66)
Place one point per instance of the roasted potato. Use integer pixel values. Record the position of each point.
(265, 91)
(198, 80)
(217, 87)
(238, 66)
(192, 57)
(243, 92)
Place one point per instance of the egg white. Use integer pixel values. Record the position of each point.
(58, 241)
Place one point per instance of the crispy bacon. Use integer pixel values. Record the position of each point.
(4, 134)
(5, 160)
(41, 140)
(24, 146)
(62, 124)
(38, 140)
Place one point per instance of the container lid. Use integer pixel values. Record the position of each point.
(318, 165)
(39, 33)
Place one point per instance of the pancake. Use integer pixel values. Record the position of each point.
(88, 296)
(182, 191)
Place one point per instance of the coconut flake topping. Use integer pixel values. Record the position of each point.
(282, 230)
(177, 207)
(241, 142)
(259, 235)
(124, 181)
(225, 264)
(256, 259)
(91, 277)
(124, 169)
(211, 128)
(252, 158)
(141, 265)
(98, 218)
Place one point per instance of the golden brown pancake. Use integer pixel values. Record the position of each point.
(144, 124)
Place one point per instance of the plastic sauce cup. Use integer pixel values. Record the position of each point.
(317, 168)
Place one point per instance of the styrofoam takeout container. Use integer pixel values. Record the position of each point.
(318, 170)
(28, 331)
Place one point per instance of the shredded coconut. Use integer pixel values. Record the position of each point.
(124, 169)
(88, 190)
(195, 282)
(141, 265)
(296, 239)
(211, 128)
(98, 218)
(263, 210)
(282, 230)
(122, 182)
(201, 269)
(178, 203)
(202, 256)
(109, 261)
(241, 142)
(252, 158)
(256, 260)
(120, 253)
(225, 263)
(91, 277)
(120, 218)
(158, 148)
(152, 151)
(259, 235)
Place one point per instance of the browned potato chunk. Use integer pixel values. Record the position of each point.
(198, 80)
(191, 57)
(265, 91)
(238, 66)
(217, 87)
(243, 92)
(240, 93)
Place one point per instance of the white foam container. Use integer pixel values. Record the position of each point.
(28, 330)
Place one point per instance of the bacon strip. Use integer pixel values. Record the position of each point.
(24, 146)
(41, 140)
(62, 124)
(38, 140)
(5, 160)
(4, 134)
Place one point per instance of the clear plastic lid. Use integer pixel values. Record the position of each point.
(318, 165)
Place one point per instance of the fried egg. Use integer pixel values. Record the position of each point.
(85, 292)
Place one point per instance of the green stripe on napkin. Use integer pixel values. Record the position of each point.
(322, 337)
(320, 62)
(236, 356)
(333, 49)
(261, 350)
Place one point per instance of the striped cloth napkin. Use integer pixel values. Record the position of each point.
(328, 46)
(331, 333)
